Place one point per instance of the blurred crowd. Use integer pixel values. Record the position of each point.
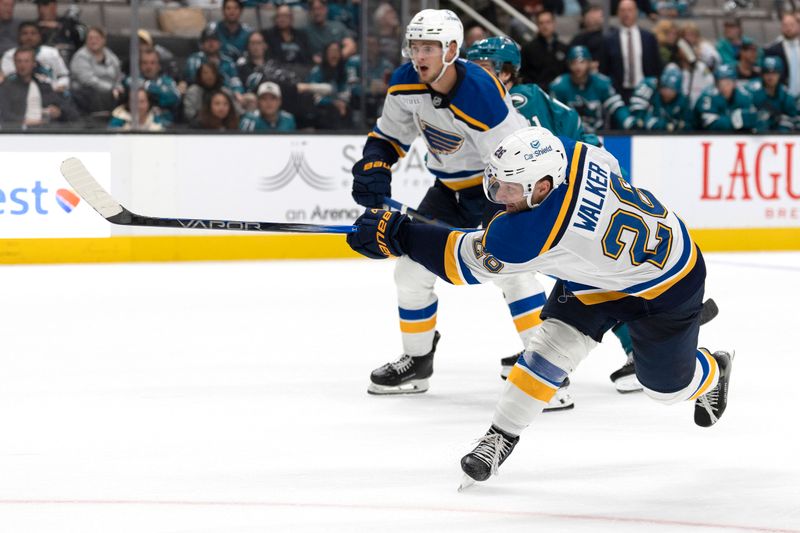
(650, 71)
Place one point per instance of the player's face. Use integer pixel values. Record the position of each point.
(485, 63)
(579, 68)
(510, 194)
(427, 55)
(667, 94)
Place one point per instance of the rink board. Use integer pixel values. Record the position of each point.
(735, 193)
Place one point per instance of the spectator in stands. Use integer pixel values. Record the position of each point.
(545, 57)
(286, 44)
(332, 110)
(473, 34)
(643, 6)
(777, 109)
(379, 70)
(787, 47)
(666, 32)
(231, 32)
(671, 8)
(386, 25)
(322, 32)
(66, 34)
(8, 26)
(151, 118)
(169, 64)
(591, 35)
(207, 82)
(210, 52)
(747, 68)
(725, 107)
(27, 100)
(269, 116)
(590, 94)
(298, 96)
(703, 48)
(162, 88)
(631, 52)
(96, 74)
(662, 106)
(49, 63)
(697, 76)
(731, 41)
(218, 113)
(255, 56)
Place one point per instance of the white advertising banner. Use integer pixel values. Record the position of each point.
(283, 178)
(36, 202)
(723, 181)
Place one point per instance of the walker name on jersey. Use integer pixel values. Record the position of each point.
(36, 200)
(591, 200)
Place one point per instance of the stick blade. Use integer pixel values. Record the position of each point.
(87, 188)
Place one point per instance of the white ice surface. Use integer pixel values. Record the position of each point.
(231, 398)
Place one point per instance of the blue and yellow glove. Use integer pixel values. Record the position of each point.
(372, 180)
(378, 234)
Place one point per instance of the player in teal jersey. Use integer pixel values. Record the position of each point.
(725, 107)
(660, 104)
(590, 94)
(777, 109)
(501, 55)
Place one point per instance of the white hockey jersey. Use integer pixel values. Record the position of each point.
(460, 129)
(603, 237)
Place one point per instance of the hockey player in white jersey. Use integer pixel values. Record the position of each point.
(618, 254)
(461, 111)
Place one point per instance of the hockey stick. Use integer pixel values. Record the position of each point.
(87, 188)
(404, 209)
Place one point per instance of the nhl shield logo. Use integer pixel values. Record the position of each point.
(437, 101)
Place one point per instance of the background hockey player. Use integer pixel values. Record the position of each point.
(725, 107)
(618, 254)
(776, 108)
(461, 111)
(660, 104)
(591, 94)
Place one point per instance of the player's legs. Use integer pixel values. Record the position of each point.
(417, 304)
(669, 365)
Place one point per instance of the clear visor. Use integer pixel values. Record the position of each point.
(413, 49)
(491, 185)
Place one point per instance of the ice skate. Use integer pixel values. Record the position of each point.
(562, 399)
(407, 375)
(625, 379)
(709, 407)
(483, 461)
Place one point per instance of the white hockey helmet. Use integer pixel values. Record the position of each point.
(440, 25)
(525, 157)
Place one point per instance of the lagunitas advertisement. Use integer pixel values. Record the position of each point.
(36, 201)
(723, 181)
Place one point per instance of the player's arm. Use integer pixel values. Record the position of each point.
(567, 121)
(388, 141)
(615, 107)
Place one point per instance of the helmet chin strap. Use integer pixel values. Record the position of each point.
(445, 64)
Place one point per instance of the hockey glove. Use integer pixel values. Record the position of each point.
(378, 234)
(372, 181)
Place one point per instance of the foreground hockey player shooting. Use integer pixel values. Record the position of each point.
(619, 255)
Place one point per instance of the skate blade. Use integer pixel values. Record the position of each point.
(416, 386)
(561, 407)
(466, 482)
(628, 384)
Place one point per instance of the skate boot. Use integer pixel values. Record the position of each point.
(407, 375)
(491, 451)
(625, 379)
(709, 407)
(560, 402)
